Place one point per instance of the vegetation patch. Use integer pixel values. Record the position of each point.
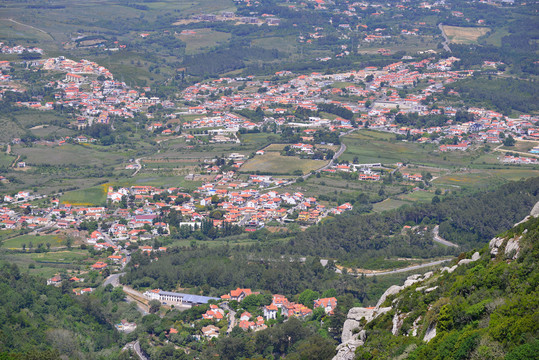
(464, 35)
(274, 163)
(96, 195)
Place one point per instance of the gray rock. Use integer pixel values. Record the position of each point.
(348, 328)
(513, 245)
(431, 333)
(494, 245)
(346, 350)
(449, 269)
(392, 290)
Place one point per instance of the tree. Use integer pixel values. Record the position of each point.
(308, 297)
(154, 306)
(509, 141)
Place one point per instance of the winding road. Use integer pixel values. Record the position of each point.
(138, 350)
(440, 240)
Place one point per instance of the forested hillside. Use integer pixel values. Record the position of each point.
(41, 322)
(466, 220)
(487, 309)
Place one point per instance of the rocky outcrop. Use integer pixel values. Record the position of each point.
(415, 326)
(395, 289)
(397, 323)
(353, 335)
(355, 317)
(431, 333)
(346, 351)
(511, 249)
(476, 256)
(494, 245)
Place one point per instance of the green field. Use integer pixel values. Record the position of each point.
(389, 204)
(21, 32)
(96, 195)
(17, 242)
(87, 155)
(274, 163)
(417, 196)
(47, 264)
(6, 160)
(203, 39)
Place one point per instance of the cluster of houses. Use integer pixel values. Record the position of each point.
(376, 86)
(308, 91)
(56, 280)
(18, 49)
(91, 89)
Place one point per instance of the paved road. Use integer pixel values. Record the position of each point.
(445, 44)
(245, 220)
(440, 240)
(410, 268)
(231, 317)
(113, 279)
(139, 352)
(339, 152)
(498, 148)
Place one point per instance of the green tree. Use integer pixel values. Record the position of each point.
(308, 297)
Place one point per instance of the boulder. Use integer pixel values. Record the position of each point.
(512, 246)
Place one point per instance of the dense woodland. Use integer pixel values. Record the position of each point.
(464, 219)
(43, 322)
(505, 95)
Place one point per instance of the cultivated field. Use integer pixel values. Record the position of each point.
(203, 38)
(87, 197)
(464, 35)
(17, 242)
(274, 163)
(388, 204)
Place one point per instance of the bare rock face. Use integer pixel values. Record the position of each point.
(392, 290)
(513, 248)
(494, 245)
(535, 210)
(397, 323)
(351, 339)
(474, 258)
(450, 269)
(431, 333)
(346, 351)
(415, 326)
(348, 330)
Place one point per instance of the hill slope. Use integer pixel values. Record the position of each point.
(483, 307)
(43, 322)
